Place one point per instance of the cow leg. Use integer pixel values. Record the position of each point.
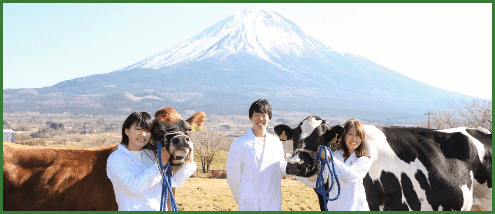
(321, 201)
(372, 190)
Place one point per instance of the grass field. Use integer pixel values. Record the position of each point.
(200, 194)
(219, 160)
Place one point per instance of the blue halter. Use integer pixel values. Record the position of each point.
(166, 172)
(320, 182)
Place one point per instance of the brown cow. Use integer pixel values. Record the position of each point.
(41, 178)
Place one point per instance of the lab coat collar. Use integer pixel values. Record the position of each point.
(126, 151)
(251, 136)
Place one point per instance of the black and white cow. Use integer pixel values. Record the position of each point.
(413, 168)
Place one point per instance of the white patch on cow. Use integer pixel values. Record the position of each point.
(467, 195)
(381, 207)
(377, 146)
(295, 159)
(308, 126)
(477, 143)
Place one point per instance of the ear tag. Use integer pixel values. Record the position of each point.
(283, 137)
(335, 138)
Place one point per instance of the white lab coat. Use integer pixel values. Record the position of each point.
(256, 185)
(138, 184)
(351, 175)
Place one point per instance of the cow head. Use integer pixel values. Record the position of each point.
(311, 133)
(174, 134)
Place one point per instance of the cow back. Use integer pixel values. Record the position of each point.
(42, 178)
(422, 169)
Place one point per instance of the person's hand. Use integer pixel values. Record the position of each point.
(313, 178)
(322, 155)
(165, 156)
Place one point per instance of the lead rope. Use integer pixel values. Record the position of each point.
(167, 181)
(320, 181)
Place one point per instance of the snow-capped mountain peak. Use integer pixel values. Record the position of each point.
(263, 33)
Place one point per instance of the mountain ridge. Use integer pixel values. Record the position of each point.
(238, 65)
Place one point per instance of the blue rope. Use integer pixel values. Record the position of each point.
(320, 182)
(167, 182)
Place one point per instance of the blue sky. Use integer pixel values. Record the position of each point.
(445, 45)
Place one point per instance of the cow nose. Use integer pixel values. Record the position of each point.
(293, 169)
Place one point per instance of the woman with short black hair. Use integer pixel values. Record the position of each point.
(133, 170)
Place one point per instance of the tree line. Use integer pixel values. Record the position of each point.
(474, 114)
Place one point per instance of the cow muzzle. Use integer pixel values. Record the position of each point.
(179, 146)
(303, 163)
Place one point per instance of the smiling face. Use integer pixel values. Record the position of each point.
(138, 137)
(352, 140)
(260, 123)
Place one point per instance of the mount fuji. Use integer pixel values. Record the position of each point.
(223, 69)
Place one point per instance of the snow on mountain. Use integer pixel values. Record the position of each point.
(219, 70)
(262, 33)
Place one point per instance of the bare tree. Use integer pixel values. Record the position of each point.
(444, 120)
(206, 144)
(477, 113)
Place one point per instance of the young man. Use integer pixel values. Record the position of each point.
(256, 164)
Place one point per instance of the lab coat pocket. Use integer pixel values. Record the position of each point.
(247, 192)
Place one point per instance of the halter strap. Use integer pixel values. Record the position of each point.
(320, 181)
(166, 172)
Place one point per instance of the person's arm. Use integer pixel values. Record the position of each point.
(183, 174)
(308, 181)
(234, 169)
(356, 172)
(283, 162)
(119, 173)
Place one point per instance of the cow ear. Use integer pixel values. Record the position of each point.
(197, 121)
(284, 132)
(334, 134)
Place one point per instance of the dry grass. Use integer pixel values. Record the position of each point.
(219, 160)
(199, 194)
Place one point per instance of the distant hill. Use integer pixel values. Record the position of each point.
(222, 70)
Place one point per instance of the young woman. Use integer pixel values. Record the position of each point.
(351, 165)
(134, 171)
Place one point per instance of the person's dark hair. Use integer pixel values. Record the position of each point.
(361, 149)
(260, 106)
(141, 118)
